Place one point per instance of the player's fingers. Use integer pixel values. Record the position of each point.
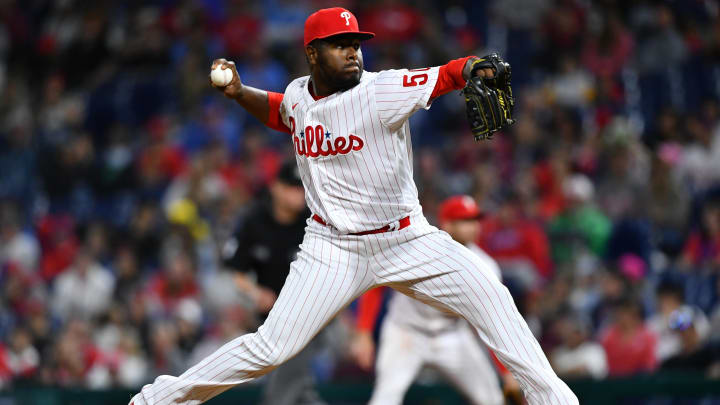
(217, 62)
(211, 82)
(231, 65)
(484, 73)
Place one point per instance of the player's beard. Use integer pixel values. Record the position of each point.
(347, 82)
(339, 81)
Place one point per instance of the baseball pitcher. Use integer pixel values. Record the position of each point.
(351, 136)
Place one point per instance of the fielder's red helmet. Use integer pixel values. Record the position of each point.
(458, 207)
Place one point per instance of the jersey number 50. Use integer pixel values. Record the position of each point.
(415, 80)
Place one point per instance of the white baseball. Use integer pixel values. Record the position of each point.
(221, 77)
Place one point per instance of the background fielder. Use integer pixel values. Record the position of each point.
(351, 136)
(415, 335)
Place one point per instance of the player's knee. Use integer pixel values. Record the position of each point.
(267, 352)
(262, 352)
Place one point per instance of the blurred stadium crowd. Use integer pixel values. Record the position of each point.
(122, 174)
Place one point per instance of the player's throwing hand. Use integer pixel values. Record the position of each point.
(234, 88)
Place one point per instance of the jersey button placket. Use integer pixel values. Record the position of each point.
(317, 177)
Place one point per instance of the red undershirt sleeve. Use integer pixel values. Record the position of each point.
(502, 370)
(274, 118)
(368, 309)
(450, 77)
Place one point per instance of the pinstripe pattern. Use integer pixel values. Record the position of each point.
(367, 183)
(366, 188)
(414, 334)
(413, 315)
(456, 353)
(432, 267)
(321, 282)
(331, 270)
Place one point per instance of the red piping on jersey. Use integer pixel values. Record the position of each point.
(274, 119)
(450, 77)
(368, 309)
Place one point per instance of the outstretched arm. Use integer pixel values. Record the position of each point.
(399, 93)
(454, 74)
(263, 105)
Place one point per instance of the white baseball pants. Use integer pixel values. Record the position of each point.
(332, 270)
(456, 353)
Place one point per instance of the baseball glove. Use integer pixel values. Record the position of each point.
(501, 79)
(489, 101)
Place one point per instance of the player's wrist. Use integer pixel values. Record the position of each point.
(237, 94)
(468, 69)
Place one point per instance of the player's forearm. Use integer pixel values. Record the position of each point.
(263, 105)
(467, 68)
(452, 76)
(255, 101)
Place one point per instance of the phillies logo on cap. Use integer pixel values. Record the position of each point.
(332, 21)
(346, 15)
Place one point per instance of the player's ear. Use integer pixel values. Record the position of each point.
(311, 53)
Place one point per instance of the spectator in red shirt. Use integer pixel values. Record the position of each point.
(702, 248)
(22, 358)
(606, 53)
(519, 245)
(176, 282)
(629, 344)
(5, 372)
(75, 356)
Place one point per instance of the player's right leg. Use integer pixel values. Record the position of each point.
(325, 277)
(400, 356)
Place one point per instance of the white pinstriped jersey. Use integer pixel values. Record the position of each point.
(353, 148)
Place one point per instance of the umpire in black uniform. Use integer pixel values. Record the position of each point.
(261, 250)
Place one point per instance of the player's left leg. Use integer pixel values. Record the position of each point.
(463, 359)
(428, 265)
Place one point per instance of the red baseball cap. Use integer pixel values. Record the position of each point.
(458, 207)
(327, 22)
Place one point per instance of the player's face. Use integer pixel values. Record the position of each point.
(290, 197)
(340, 62)
(463, 230)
